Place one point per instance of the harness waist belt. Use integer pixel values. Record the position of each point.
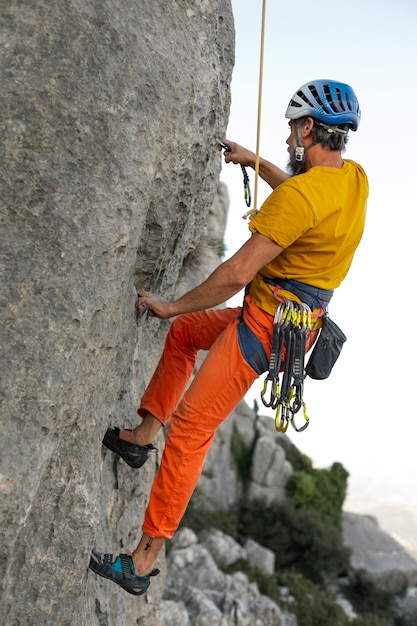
(313, 296)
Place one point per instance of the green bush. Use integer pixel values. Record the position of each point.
(373, 603)
(309, 551)
(300, 539)
(198, 519)
(322, 490)
(313, 606)
(304, 532)
(242, 456)
(298, 460)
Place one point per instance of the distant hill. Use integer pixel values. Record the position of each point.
(397, 519)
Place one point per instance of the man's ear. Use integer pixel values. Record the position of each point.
(307, 126)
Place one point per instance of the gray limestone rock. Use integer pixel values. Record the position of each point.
(224, 549)
(270, 470)
(173, 613)
(109, 169)
(377, 554)
(260, 557)
(408, 604)
(220, 485)
(210, 596)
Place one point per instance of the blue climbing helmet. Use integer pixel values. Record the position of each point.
(327, 101)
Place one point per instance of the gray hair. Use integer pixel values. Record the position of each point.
(330, 137)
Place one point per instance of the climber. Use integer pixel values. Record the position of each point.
(303, 238)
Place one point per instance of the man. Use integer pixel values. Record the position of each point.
(303, 240)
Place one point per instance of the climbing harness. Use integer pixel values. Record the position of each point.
(292, 322)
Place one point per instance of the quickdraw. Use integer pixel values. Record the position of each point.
(246, 184)
(291, 322)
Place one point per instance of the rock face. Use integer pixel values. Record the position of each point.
(220, 486)
(208, 596)
(109, 170)
(377, 554)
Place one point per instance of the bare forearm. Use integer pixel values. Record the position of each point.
(219, 287)
(270, 173)
(227, 280)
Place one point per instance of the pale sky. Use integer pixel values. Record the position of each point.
(365, 414)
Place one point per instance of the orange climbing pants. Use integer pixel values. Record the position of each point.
(217, 388)
(196, 412)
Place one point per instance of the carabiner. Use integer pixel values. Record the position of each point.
(297, 397)
(274, 395)
(307, 421)
(281, 423)
(246, 186)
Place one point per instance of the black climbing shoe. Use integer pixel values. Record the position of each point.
(121, 571)
(132, 454)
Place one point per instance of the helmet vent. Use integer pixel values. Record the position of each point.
(348, 102)
(293, 103)
(317, 97)
(336, 105)
(303, 96)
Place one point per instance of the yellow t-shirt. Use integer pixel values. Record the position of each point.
(318, 218)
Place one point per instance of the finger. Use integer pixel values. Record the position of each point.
(232, 145)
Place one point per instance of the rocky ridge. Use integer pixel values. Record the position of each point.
(194, 580)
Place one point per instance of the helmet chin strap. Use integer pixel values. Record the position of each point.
(299, 154)
(300, 151)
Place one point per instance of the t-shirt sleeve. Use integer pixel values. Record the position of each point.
(284, 216)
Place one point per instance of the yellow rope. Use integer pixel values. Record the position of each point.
(252, 212)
